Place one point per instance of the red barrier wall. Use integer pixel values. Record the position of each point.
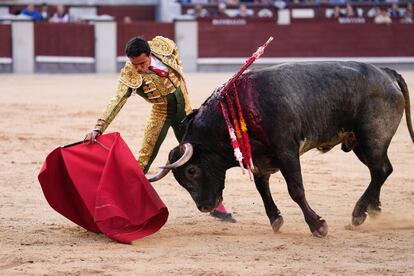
(307, 39)
(69, 39)
(147, 30)
(137, 13)
(5, 38)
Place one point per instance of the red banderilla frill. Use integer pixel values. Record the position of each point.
(238, 131)
(237, 153)
(245, 136)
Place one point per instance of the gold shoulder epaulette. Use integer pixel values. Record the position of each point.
(162, 46)
(130, 77)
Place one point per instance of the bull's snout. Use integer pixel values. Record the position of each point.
(208, 206)
(205, 209)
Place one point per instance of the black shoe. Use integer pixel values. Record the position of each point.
(223, 216)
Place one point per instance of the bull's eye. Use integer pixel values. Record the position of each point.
(192, 171)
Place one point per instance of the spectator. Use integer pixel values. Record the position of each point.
(350, 11)
(337, 2)
(265, 12)
(32, 12)
(264, 2)
(199, 2)
(244, 12)
(409, 8)
(199, 11)
(279, 4)
(337, 12)
(44, 12)
(374, 11)
(127, 19)
(221, 10)
(232, 2)
(408, 14)
(383, 17)
(407, 18)
(60, 16)
(394, 11)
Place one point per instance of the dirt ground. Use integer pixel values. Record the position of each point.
(41, 112)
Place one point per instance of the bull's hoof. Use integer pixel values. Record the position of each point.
(277, 224)
(358, 220)
(374, 211)
(322, 231)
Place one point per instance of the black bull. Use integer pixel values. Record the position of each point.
(290, 109)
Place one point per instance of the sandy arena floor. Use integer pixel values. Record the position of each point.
(40, 112)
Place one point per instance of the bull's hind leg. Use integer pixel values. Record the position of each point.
(290, 168)
(273, 213)
(377, 125)
(380, 168)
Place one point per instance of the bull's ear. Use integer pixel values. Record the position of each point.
(185, 123)
(174, 155)
(188, 118)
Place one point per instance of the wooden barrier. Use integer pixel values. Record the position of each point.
(69, 39)
(310, 39)
(223, 38)
(147, 30)
(5, 38)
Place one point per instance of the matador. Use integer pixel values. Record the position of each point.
(153, 71)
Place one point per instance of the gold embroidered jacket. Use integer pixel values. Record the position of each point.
(150, 86)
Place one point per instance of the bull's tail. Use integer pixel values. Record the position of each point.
(404, 89)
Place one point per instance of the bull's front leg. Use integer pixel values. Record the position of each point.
(291, 171)
(273, 213)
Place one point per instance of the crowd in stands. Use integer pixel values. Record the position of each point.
(44, 15)
(380, 15)
(235, 2)
(242, 10)
(381, 11)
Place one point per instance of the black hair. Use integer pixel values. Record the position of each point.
(137, 46)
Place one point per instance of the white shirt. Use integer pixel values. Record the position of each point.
(158, 64)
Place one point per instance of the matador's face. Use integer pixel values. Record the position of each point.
(141, 63)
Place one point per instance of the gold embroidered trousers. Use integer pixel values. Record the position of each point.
(163, 116)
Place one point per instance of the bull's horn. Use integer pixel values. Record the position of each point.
(160, 174)
(184, 159)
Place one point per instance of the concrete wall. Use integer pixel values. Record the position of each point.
(105, 47)
(6, 67)
(186, 38)
(23, 47)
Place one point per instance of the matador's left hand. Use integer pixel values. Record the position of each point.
(92, 135)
